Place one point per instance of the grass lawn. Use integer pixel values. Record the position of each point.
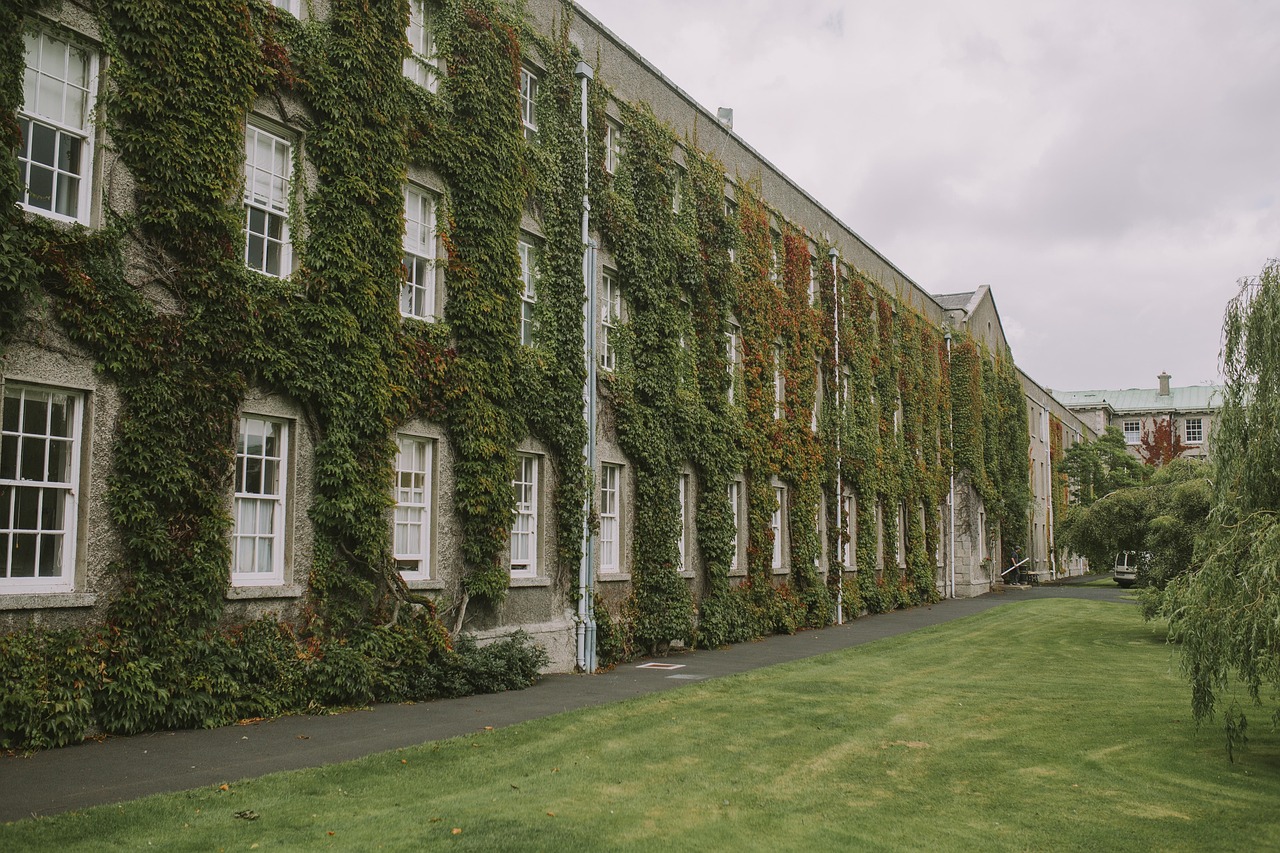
(1109, 582)
(1044, 725)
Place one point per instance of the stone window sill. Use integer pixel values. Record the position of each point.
(47, 600)
(536, 581)
(237, 593)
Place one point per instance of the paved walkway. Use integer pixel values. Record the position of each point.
(124, 768)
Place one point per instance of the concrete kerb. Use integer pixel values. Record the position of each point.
(125, 768)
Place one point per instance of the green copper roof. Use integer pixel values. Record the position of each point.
(1189, 398)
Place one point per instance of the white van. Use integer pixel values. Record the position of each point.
(1126, 569)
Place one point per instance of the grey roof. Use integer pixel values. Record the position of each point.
(952, 301)
(1188, 398)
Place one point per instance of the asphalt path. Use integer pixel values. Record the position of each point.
(116, 769)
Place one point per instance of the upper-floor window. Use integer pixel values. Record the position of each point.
(779, 381)
(1132, 432)
(524, 526)
(528, 102)
(813, 280)
(39, 488)
(290, 6)
(610, 318)
(422, 65)
(612, 146)
(529, 289)
(1193, 429)
(731, 221)
(56, 153)
(677, 190)
(412, 539)
(259, 520)
(610, 518)
(732, 337)
(268, 172)
(817, 398)
(418, 295)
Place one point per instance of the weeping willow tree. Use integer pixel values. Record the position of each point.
(1226, 616)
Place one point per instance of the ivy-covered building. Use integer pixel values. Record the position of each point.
(297, 383)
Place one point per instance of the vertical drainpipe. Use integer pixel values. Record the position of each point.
(951, 496)
(586, 622)
(834, 254)
(1049, 486)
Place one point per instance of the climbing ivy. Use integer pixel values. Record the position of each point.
(177, 90)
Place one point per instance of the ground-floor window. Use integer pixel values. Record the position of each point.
(414, 458)
(259, 518)
(39, 480)
(524, 527)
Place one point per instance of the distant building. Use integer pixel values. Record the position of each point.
(1137, 411)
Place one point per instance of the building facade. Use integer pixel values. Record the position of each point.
(301, 328)
(1187, 412)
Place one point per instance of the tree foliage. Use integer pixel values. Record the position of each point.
(1094, 469)
(1226, 616)
(1160, 518)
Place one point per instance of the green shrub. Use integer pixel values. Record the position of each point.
(46, 700)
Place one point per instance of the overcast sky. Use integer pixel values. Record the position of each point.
(1110, 169)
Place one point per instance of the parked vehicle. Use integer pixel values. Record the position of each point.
(1126, 568)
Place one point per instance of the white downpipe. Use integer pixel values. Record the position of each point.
(951, 495)
(839, 379)
(1049, 486)
(586, 623)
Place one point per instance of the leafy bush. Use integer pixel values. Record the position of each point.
(47, 696)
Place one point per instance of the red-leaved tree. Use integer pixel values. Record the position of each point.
(1161, 444)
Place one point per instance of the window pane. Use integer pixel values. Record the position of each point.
(50, 555)
(44, 141)
(9, 458)
(23, 562)
(26, 508)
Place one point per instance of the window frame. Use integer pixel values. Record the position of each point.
(777, 523)
(269, 209)
(86, 134)
(425, 508)
(422, 65)
(280, 502)
(529, 251)
(734, 493)
(682, 544)
(733, 355)
(70, 489)
(528, 99)
(612, 146)
(1133, 436)
(424, 253)
(849, 532)
(532, 512)
(1199, 429)
(779, 382)
(610, 319)
(611, 480)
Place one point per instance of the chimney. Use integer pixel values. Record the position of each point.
(725, 114)
(1164, 384)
